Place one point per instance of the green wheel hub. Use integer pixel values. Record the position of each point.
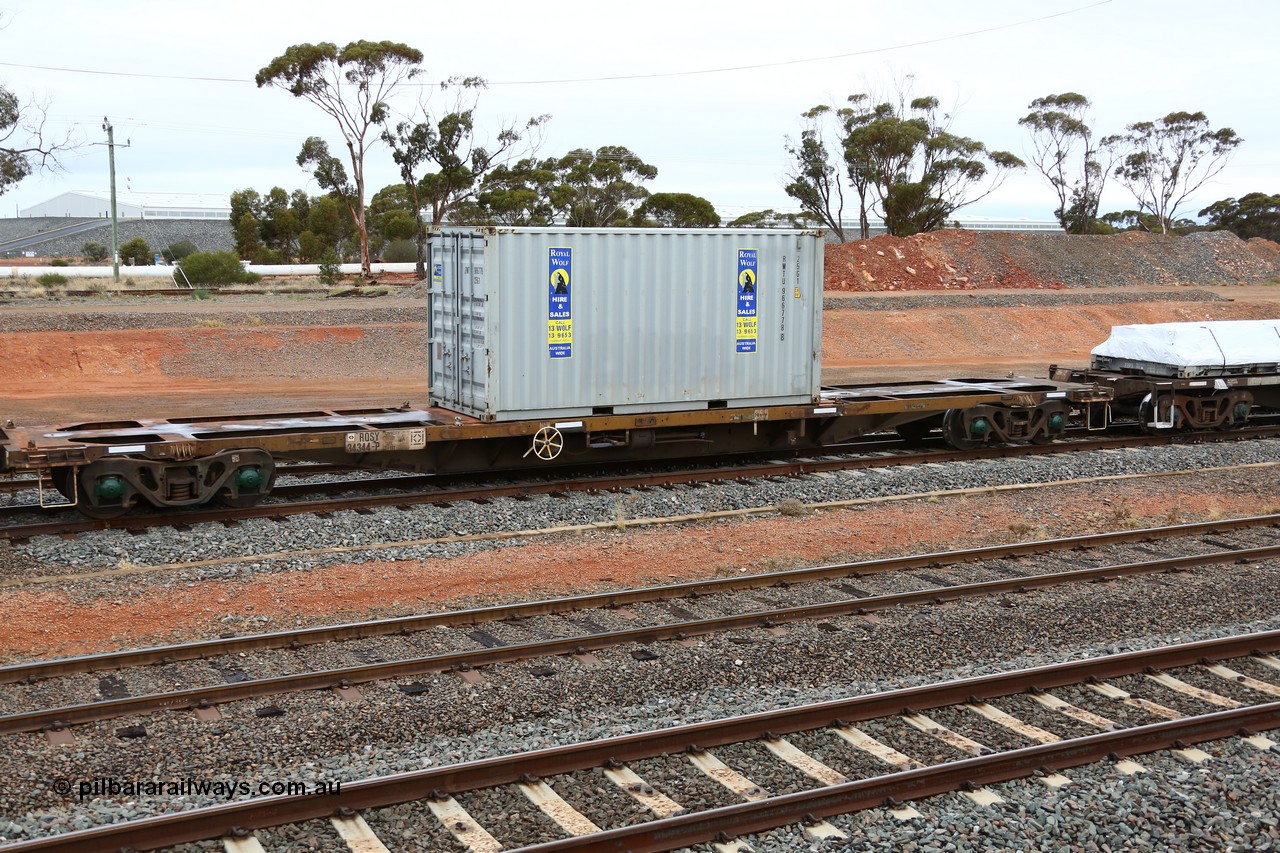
(1057, 421)
(248, 479)
(109, 489)
(978, 427)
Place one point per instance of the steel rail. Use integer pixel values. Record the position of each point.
(35, 670)
(568, 479)
(773, 812)
(214, 821)
(607, 483)
(196, 697)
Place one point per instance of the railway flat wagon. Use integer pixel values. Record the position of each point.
(1187, 375)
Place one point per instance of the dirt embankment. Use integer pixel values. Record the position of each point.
(946, 304)
(971, 260)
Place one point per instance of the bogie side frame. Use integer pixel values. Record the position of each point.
(1165, 403)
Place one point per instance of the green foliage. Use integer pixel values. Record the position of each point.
(772, 219)
(1164, 162)
(352, 86)
(1140, 220)
(201, 293)
(137, 253)
(51, 278)
(599, 189)
(440, 163)
(267, 257)
(902, 153)
(58, 262)
(391, 213)
(814, 181)
(330, 270)
(514, 194)
(179, 250)
(1254, 215)
(401, 252)
(217, 268)
(1066, 154)
(677, 210)
(15, 163)
(920, 172)
(95, 251)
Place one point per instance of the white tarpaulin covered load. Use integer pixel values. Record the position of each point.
(1192, 349)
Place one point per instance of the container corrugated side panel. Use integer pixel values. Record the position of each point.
(654, 323)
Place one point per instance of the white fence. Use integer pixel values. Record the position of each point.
(167, 271)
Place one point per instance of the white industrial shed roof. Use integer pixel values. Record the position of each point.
(133, 205)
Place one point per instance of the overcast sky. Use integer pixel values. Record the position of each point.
(706, 92)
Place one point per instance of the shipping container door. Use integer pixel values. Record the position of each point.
(458, 321)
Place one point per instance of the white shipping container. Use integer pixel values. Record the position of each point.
(534, 323)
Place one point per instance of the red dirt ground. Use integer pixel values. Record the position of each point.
(47, 622)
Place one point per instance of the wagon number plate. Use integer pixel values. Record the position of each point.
(375, 440)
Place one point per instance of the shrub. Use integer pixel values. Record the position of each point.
(179, 250)
(137, 252)
(95, 251)
(51, 278)
(330, 269)
(59, 262)
(201, 293)
(401, 252)
(267, 257)
(217, 268)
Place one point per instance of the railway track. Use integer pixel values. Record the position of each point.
(463, 642)
(416, 490)
(710, 781)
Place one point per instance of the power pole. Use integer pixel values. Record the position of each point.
(111, 159)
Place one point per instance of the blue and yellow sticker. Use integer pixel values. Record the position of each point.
(560, 302)
(748, 285)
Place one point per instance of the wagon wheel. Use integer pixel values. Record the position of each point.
(65, 481)
(956, 433)
(547, 444)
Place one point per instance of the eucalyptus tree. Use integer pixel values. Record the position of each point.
(1166, 161)
(352, 86)
(1067, 154)
(453, 162)
(898, 156)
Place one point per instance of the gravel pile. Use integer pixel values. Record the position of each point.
(1022, 299)
(967, 260)
(350, 529)
(170, 315)
(208, 235)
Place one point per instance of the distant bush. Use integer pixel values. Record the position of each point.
(51, 278)
(59, 262)
(137, 252)
(95, 251)
(201, 293)
(179, 250)
(401, 252)
(330, 269)
(217, 268)
(267, 257)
